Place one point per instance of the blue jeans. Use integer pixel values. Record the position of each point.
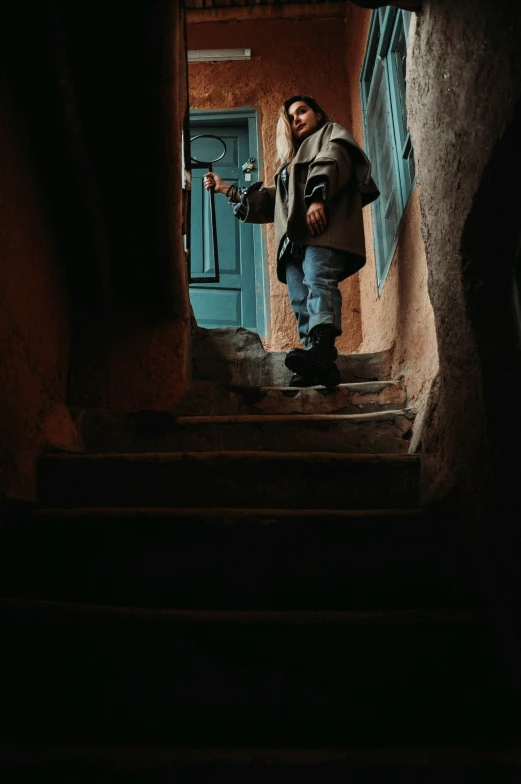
(313, 289)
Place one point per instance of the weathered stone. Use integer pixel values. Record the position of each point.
(207, 398)
(360, 398)
(204, 397)
(236, 356)
(385, 431)
(230, 355)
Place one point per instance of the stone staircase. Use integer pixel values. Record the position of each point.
(246, 589)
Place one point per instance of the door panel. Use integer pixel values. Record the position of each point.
(232, 301)
(225, 304)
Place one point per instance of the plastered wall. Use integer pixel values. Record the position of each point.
(288, 56)
(34, 328)
(93, 295)
(134, 354)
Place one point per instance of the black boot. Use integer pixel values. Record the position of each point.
(297, 380)
(330, 378)
(297, 350)
(320, 357)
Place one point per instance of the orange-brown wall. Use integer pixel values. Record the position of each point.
(288, 56)
(34, 329)
(402, 315)
(137, 356)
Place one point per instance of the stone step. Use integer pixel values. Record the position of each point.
(170, 765)
(207, 398)
(236, 356)
(115, 675)
(276, 480)
(159, 431)
(261, 559)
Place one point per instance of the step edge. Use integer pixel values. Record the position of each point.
(151, 757)
(356, 386)
(265, 456)
(252, 617)
(382, 382)
(225, 512)
(224, 419)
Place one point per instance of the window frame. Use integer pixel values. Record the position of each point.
(383, 41)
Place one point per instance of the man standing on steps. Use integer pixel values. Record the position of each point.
(322, 183)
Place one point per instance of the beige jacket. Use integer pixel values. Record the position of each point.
(330, 153)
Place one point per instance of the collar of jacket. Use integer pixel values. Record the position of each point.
(333, 132)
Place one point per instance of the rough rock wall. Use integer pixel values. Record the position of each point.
(288, 56)
(34, 325)
(465, 118)
(464, 93)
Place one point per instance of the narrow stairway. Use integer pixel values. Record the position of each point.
(246, 589)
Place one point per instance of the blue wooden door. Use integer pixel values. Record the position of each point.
(232, 301)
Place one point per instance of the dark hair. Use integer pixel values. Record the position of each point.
(309, 101)
(286, 144)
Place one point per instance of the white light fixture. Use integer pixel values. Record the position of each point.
(217, 55)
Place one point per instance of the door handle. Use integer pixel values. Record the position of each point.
(213, 224)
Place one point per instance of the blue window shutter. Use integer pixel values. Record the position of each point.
(388, 142)
(398, 89)
(370, 57)
(382, 153)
